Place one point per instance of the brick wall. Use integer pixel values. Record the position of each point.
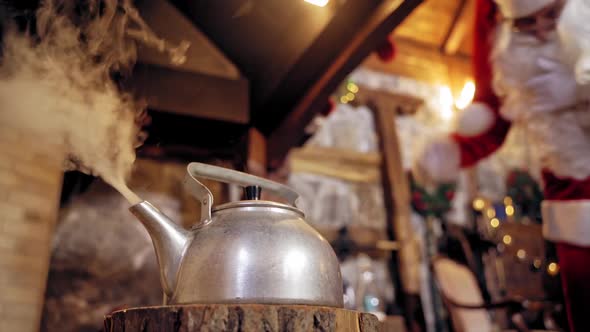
(30, 183)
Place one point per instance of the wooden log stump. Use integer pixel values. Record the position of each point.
(242, 318)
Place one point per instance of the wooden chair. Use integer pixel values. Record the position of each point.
(462, 297)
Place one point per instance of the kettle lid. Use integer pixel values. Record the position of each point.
(252, 199)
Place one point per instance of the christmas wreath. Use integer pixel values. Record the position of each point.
(435, 202)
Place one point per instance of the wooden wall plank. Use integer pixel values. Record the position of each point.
(429, 23)
(424, 63)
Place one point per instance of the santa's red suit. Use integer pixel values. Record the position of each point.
(524, 81)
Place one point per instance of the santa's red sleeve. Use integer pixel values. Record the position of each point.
(481, 131)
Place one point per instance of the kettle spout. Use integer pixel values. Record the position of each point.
(170, 242)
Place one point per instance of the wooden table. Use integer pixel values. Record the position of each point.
(243, 317)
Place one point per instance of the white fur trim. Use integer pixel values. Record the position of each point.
(520, 8)
(438, 162)
(567, 221)
(475, 120)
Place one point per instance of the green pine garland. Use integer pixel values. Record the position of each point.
(435, 203)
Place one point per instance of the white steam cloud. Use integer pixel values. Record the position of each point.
(58, 84)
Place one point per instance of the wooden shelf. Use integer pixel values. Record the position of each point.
(342, 164)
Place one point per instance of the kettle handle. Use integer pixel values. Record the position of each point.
(225, 175)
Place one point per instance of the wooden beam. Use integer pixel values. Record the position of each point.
(256, 162)
(395, 103)
(462, 22)
(384, 19)
(336, 163)
(192, 94)
(172, 26)
(396, 191)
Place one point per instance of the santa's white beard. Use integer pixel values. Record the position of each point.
(574, 31)
(514, 61)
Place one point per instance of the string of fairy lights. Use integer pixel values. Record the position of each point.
(487, 209)
(349, 93)
(346, 93)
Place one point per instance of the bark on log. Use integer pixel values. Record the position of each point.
(239, 318)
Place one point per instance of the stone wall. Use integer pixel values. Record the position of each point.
(30, 183)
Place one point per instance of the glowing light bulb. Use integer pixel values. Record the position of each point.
(507, 239)
(509, 210)
(495, 222)
(521, 254)
(343, 99)
(491, 213)
(466, 95)
(350, 96)
(478, 204)
(352, 87)
(319, 3)
(507, 200)
(553, 269)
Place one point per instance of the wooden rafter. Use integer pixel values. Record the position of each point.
(202, 56)
(386, 17)
(459, 27)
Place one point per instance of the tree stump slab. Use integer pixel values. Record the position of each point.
(239, 318)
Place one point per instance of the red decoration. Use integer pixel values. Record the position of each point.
(417, 196)
(450, 195)
(330, 106)
(386, 50)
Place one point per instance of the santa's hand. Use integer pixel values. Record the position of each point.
(438, 162)
(554, 89)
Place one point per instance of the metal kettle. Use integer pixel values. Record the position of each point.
(249, 251)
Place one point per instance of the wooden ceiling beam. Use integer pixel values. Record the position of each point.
(459, 27)
(388, 15)
(192, 94)
(202, 56)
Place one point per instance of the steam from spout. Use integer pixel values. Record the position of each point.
(59, 85)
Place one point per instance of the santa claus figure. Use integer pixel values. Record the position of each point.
(525, 76)
(574, 32)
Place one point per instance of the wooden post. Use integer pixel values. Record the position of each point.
(256, 153)
(396, 190)
(397, 195)
(244, 318)
(30, 184)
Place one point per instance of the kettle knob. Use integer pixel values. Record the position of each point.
(252, 193)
